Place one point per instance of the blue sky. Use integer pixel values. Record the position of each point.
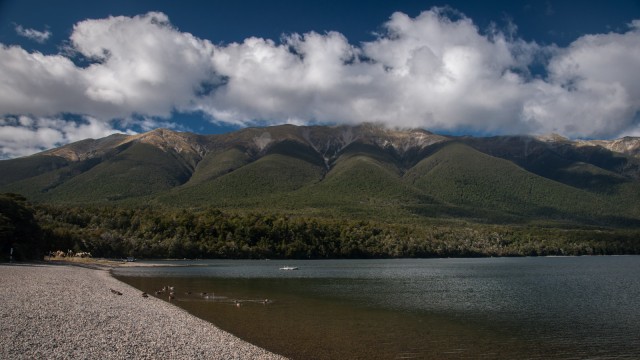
(71, 70)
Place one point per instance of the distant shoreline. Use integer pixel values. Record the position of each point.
(107, 264)
(66, 310)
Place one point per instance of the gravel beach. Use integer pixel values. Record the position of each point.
(69, 312)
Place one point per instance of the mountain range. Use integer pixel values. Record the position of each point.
(364, 171)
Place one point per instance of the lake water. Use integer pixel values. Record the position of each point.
(534, 308)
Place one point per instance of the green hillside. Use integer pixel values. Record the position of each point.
(260, 184)
(361, 172)
(458, 174)
(363, 180)
(591, 168)
(42, 187)
(327, 192)
(13, 170)
(137, 170)
(220, 163)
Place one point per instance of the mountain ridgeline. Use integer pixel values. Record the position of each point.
(365, 171)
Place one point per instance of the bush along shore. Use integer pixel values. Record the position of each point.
(146, 232)
(72, 312)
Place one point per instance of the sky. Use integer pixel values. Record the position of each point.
(71, 70)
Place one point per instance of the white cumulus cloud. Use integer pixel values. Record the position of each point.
(144, 65)
(437, 71)
(25, 135)
(141, 65)
(33, 34)
(434, 72)
(593, 88)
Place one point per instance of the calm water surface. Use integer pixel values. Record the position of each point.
(564, 307)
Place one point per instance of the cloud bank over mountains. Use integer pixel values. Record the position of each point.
(436, 71)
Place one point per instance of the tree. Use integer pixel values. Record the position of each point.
(18, 229)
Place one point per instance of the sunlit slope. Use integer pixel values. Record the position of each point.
(458, 174)
(261, 183)
(42, 186)
(363, 171)
(363, 176)
(589, 167)
(139, 170)
(219, 163)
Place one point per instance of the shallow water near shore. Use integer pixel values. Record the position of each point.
(557, 307)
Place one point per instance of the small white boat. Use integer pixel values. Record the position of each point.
(289, 268)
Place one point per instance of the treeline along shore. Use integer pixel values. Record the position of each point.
(148, 232)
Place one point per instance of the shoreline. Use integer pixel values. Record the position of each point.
(59, 310)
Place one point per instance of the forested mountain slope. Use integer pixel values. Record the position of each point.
(366, 171)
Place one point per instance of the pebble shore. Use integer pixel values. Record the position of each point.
(69, 312)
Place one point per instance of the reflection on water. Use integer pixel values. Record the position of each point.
(400, 309)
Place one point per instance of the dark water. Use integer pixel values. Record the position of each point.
(569, 308)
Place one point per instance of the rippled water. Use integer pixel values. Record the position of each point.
(571, 307)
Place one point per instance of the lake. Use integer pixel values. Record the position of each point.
(497, 308)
